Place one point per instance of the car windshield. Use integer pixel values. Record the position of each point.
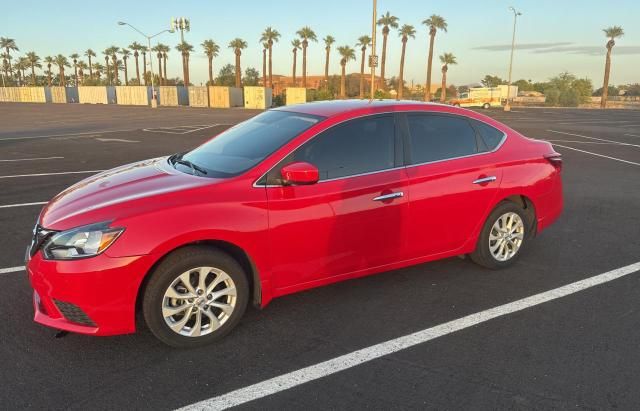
(243, 146)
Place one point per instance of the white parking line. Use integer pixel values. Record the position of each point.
(597, 155)
(581, 142)
(632, 135)
(22, 204)
(11, 270)
(53, 174)
(30, 159)
(180, 129)
(68, 134)
(323, 369)
(594, 138)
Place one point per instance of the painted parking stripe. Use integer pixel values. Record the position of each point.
(344, 362)
(593, 138)
(11, 270)
(53, 174)
(597, 155)
(22, 204)
(68, 134)
(30, 159)
(632, 135)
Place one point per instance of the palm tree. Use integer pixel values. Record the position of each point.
(387, 21)
(211, 49)
(99, 69)
(328, 41)
(62, 62)
(164, 49)
(446, 59)
(185, 48)
(347, 53)
(238, 45)
(296, 44)
(9, 45)
(434, 23)
(265, 47)
(82, 66)
(106, 53)
(49, 60)
(144, 63)
(406, 31)
(270, 36)
(363, 43)
(5, 64)
(90, 53)
(612, 34)
(74, 58)
(125, 53)
(113, 50)
(305, 34)
(158, 49)
(34, 61)
(20, 66)
(136, 47)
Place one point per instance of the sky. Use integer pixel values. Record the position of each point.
(551, 36)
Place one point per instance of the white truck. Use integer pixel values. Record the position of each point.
(486, 97)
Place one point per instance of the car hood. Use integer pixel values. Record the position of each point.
(101, 197)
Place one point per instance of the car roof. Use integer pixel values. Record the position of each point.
(335, 107)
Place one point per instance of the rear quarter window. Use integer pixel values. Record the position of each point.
(489, 134)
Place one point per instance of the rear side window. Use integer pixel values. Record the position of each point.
(490, 135)
(436, 137)
(358, 146)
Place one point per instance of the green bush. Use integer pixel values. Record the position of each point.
(278, 101)
(552, 96)
(569, 98)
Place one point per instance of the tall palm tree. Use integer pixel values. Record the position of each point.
(270, 36)
(50, 61)
(612, 34)
(74, 59)
(82, 66)
(446, 59)
(347, 53)
(238, 45)
(158, 49)
(125, 53)
(211, 50)
(165, 56)
(328, 41)
(144, 50)
(99, 69)
(113, 51)
(21, 65)
(136, 47)
(305, 34)
(265, 47)
(363, 43)
(62, 62)
(388, 22)
(8, 45)
(406, 31)
(107, 54)
(90, 53)
(34, 61)
(185, 49)
(434, 23)
(5, 64)
(296, 44)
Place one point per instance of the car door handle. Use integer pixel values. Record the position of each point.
(485, 180)
(389, 196)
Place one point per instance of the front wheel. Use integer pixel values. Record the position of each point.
(194, 297)
(486, 106)
(502, 238)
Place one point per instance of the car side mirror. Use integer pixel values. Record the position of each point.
(299, 173)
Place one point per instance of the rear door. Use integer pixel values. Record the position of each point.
(452, 181)
(354, 218)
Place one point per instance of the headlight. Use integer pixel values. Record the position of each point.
(81, 242)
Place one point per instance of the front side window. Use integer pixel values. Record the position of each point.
(241, 147)
(436, 137)
(359, 146)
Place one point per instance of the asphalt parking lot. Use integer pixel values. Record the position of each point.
(576, 351)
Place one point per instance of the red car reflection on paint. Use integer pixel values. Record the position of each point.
(295, 198)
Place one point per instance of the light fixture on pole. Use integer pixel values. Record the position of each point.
(154, 99)
(507, 106)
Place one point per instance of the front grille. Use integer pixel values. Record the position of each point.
(73, 313)
(40, 235)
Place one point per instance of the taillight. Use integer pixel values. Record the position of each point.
(555, 159)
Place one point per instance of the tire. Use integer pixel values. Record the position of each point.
(489, 252)
(212, 312)
(486, 106)
(456, 105)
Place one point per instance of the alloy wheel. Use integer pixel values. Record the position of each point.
(506, 236)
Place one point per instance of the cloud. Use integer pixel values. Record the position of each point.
(590, 50)
(523, 46)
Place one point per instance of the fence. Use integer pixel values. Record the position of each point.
(198, 97)
(97, 95)
(133, 95)
(225, 97)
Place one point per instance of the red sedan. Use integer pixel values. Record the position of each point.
(294, 198)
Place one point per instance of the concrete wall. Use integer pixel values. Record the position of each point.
(132, 95)
(97, 94)
(225, 97)
(198, 97)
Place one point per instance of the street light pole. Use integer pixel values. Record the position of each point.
(507, 106)
(373, 50)
(154, 100)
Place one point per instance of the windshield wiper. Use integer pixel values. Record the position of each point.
(177, 158)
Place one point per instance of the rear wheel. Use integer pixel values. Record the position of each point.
(195, 296)
(503, 236)
(486, 106)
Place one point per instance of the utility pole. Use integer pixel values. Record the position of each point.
(507, 106)
(373, 58)
(181, 23)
